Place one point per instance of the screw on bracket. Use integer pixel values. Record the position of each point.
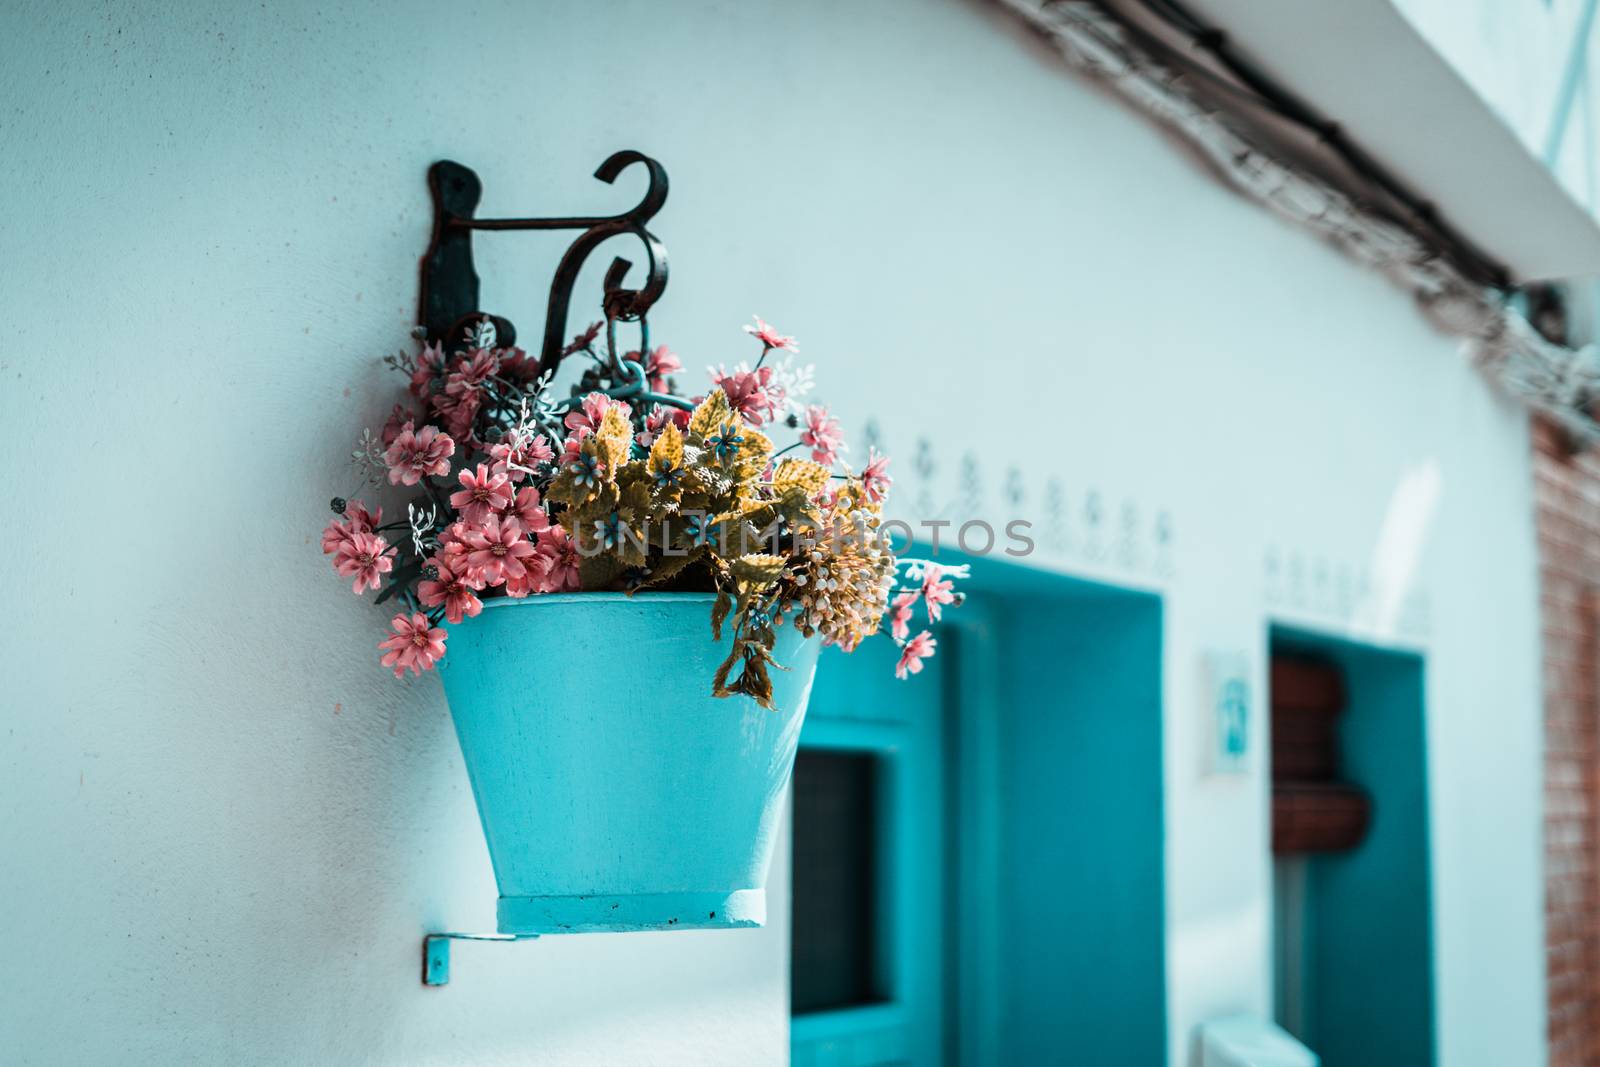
(436, 952)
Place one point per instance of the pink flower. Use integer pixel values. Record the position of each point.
(769, 337)
(481, 495)
(560, 558)
(362, 520)
(526, 511)
(399, 419)
(415, 454)
(595, 405)
(822, 435)
(752, 393)
(900, 615)
(530, 581)
(517, 366)
(459, 411)
(453, 551)
(875, 480)
(657, 420)
(654, 423)
(936, 590)
(415, 646)
(340, 532)
(583, 340)
(516, 456)
(429, 363)
(364, 556)
(497, 550)
(913, 652)
(450, 589)
(658, 363)
(336, 533)
(470, 371)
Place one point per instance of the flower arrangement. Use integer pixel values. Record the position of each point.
(628, 485)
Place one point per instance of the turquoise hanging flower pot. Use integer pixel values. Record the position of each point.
(616, 793)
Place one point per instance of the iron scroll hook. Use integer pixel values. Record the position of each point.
(449, 289)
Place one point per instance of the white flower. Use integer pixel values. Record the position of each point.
(795, 381)
(423, 523)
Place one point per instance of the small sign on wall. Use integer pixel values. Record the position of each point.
(1228, 707)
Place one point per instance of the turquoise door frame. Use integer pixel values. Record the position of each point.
(854, 708)
(936, 736)
(1039, 937)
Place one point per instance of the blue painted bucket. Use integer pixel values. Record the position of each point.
(616, 793)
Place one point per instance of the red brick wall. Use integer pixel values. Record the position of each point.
(1568, 503)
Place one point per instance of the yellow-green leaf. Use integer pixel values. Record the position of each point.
(713, 411)
(719, 612)
(757, 568)
(750, 460)
(802, 474)
(567, 488)
(667, 452)
(612, 442)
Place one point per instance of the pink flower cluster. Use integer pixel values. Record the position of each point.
(934, 591)
(503, 540)
(358, 551)
(502, 537)
(415, 454)
(415, 645)
(457, 391)
(478, 444)
(519, 455)
(823, 435)
(752, 393)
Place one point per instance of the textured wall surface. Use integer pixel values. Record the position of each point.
(223, 829)
(1568, 501)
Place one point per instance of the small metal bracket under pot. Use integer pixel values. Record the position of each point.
(436, 952)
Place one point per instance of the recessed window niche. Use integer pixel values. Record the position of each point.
(1353, 916)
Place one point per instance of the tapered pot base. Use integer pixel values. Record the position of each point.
(636, 911)
(616, 793)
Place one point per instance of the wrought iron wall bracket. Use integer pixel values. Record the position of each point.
(436, 952)
(449, 282)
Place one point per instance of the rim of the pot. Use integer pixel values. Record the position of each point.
(589, 598)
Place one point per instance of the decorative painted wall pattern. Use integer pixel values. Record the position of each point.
(1114, 537)
(1315, 590)
(1118, 537)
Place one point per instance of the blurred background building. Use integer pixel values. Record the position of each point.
(1274, 321)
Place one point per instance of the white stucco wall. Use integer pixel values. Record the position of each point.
(223, 829)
